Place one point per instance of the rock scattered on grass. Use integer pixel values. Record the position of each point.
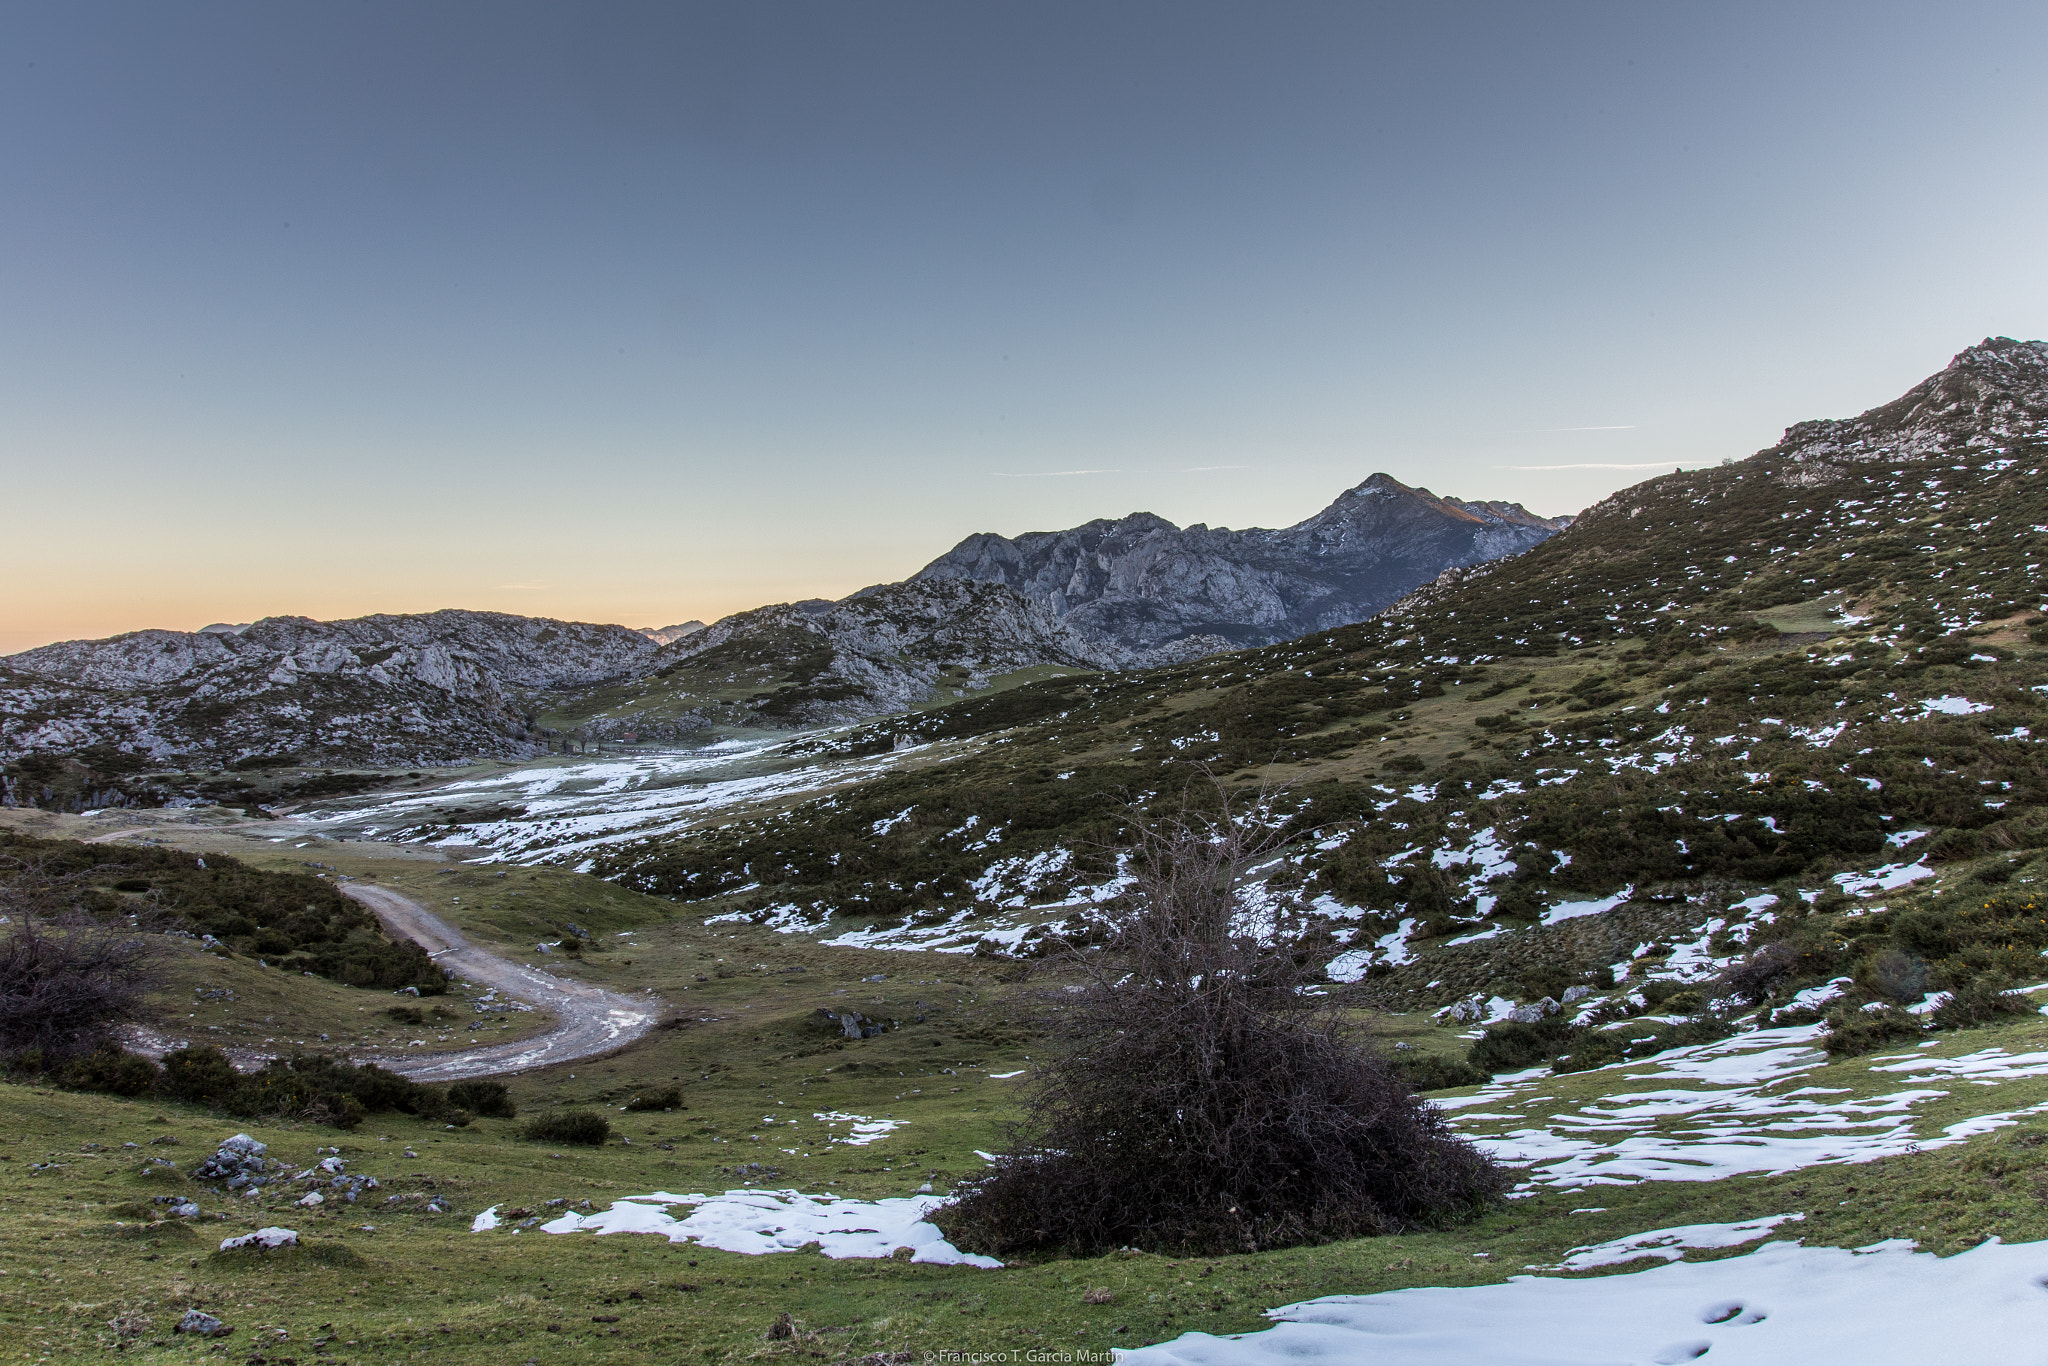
(262, 1240)
(203, 1325)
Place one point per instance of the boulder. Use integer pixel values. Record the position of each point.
(201, 1325)
(262, 1240)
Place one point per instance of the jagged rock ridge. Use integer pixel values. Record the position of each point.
(379, 689)
(1141, 582)
(1993, 392)
(890, 648)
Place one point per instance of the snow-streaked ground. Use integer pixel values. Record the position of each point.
(1756, 1103)
(1782, 1305)
(756, 1222)
(569, 812)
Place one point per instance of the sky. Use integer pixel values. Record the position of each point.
(640, 313)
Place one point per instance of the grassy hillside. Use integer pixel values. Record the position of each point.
(1715, 684)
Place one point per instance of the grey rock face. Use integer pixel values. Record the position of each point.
(1989, 394)
(379, 689)
(1143, 583)
(888, 648)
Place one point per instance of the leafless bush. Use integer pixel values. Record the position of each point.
(1202, 1101)
(66, 977)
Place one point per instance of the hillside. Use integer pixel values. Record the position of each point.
(91, 718)
(388, 690)
(1686, 860)
(1141, 582)
(1782, 680)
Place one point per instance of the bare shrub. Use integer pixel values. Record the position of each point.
(66, 978)
(1201, 1101)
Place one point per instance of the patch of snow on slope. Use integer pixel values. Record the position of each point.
(1782, 1305)
(756, 1222)
(1669, 1244)
(1728, 1122)
(1952, 706)
(1572, 910)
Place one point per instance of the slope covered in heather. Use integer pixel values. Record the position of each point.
(1782, 682)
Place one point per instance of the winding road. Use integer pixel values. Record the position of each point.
(592, 1021)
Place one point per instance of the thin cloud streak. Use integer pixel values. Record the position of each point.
(1051, 474)
(1065, 474)
(1652, 465)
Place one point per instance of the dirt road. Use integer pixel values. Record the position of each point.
(593, 1021)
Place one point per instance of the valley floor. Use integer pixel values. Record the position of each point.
(1944, 1146)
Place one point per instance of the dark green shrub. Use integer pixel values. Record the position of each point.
(1436, 1071)
(406, 1014)
(1591, 1048)
(1980, 1002)
(112, 1070)
(666, 1099)
(568, 1126)
(1511, 1046)
(203, 1075)
(1852, 1033)
(488, 1098)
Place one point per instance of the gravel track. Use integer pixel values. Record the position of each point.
(591, 1021)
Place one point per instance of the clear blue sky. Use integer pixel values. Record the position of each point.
(643, 312)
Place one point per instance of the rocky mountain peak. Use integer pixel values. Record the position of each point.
(1991, 393)
(1141, 583)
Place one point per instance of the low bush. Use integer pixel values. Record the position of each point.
(568, 1126)
(310, 1087)
(113, 1071)
(666, 1099)
(487, 1098)
(1850, 1033)
(1980, 1002)
(1200, 1103)
(1565, 1047)
(1511, 1046)
(1895, 976)
(1436, 1072)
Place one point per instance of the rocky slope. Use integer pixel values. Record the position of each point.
(381, 689)
(1990, 394)
(1724, 703)
(820, 663)
(1141, 582)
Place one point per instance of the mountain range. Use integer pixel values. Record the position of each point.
(443, 686)
(1133, 593)
(1772, 697)
(1141, 582)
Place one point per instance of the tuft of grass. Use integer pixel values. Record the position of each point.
(586, 1127)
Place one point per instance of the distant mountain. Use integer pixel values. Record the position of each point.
(881, 650)
(1141, 582)
(1601, 766)
(377, 689)
(669, 635)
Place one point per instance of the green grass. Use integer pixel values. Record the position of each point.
(747, 1048)
(428, 1286)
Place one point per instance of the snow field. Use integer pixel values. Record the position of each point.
(1782, 1305)
(1732, 1112)
(760, 1222)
